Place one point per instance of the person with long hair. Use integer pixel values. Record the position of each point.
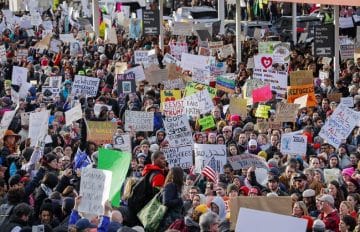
(171, 197)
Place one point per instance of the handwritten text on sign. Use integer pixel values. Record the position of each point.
(339, 125)
(179, 156)
(139, 120)
(246, 161)
(293, 144)
(94, 189)
(87, 86)
(178, 131)
(209, 154)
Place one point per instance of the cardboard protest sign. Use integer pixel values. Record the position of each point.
(286, 112)
(302, 101)
(332, 174)
(101, 132)
(19, 75)
(282, 205)
(139, 120)
(86, 86)
(118, 163)
(210, 155)
(44, 43)
(207, 123)
(156, 76)
(301, 90)
(347, 101)
(169, 95)
(334, 97)
(38, 126)
(262, 94)
(247, 218)
(245, 161)
(178, 131)
(262, 111)
(95, 190)
(302, 77)
(5, 121)
(122, 142)
(340, 124)
(193, 87)
(174, 72)
(138, 72)
(180, 156)
(198, 103)
(126, 83)
(226, 83)
(174, 84)
(276, 79)
(73, 115)
(238, 106)
(293, 144)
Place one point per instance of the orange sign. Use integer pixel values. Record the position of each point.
(294, 92)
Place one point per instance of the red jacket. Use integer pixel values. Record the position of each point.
(159, 179)
(331, 221)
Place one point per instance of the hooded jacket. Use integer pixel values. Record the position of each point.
(221, 205)
(159, 179)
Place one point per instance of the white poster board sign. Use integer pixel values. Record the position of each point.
(38, 126)
(138, 72)
(210, 155)
(340, 124)
(178, 131)
(179, 156)
(73, 115)
(19, 75)
(347, 101)
(86, 86)
(122, 142)
(5, 121)
(189, 62)
(139, 120)
(198, 103)
(270, 222)
(94, 189)
(293, 144)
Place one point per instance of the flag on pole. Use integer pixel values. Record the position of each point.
(210, 174)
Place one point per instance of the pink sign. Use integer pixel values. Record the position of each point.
(262, 94)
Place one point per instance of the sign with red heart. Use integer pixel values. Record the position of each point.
(266, 62)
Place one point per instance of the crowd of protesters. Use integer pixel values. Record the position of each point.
(39, 185)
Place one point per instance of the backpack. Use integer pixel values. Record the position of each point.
(5, 212)
(142, 192)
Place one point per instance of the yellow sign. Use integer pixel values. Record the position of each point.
(170, 95)
(262, 111)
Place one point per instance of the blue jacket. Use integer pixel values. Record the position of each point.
(102, 227)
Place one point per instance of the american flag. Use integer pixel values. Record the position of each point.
(210, 174)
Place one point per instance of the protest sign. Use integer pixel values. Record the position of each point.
(5, 121)
(301, 77)
(252, 84)
(219, 69)
(141, 57)
(178, 131)
(193, 87)
(245, 161)
(138, 71)
(73, 115)
(169, 59)
(44, 43)
(139, 121)
(2, 51)
(286, 112)
(210, 155)
(262, 111)
(282, 205)
(247, 218)
(204, 51)
(262, 94)
(276, 79)
(263, 61)
(174, 84)
(189, 62)
(174, 72)
(22, 54)
(182, 28)
(262, 126)
(118, 163)
(324, 44)
(176, 49)
(126, 83)
(347, 51)
(238, 106)
(55, 81)
(214, 46)
(86, 86)
(120, 67)
(332, 174)
(198, 103)
(101, 132)
(301, 90)
(267, 47)
(347, 101)
(19, 75)
(180, 156)
(47, 91)
(334, 97)
(35, 18)
(226, 83)
(169, 95)
(293, 144)
(67, 38)
(122, 142)
(94, 189)
(339, 125)
(75, 48)
(156, 76)
(173, 108)
(25, 117)
(207, 123)
(201, 76)
(226, 51)
(281, 53)
(323, 75)
(38, 126)
(302, 101)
